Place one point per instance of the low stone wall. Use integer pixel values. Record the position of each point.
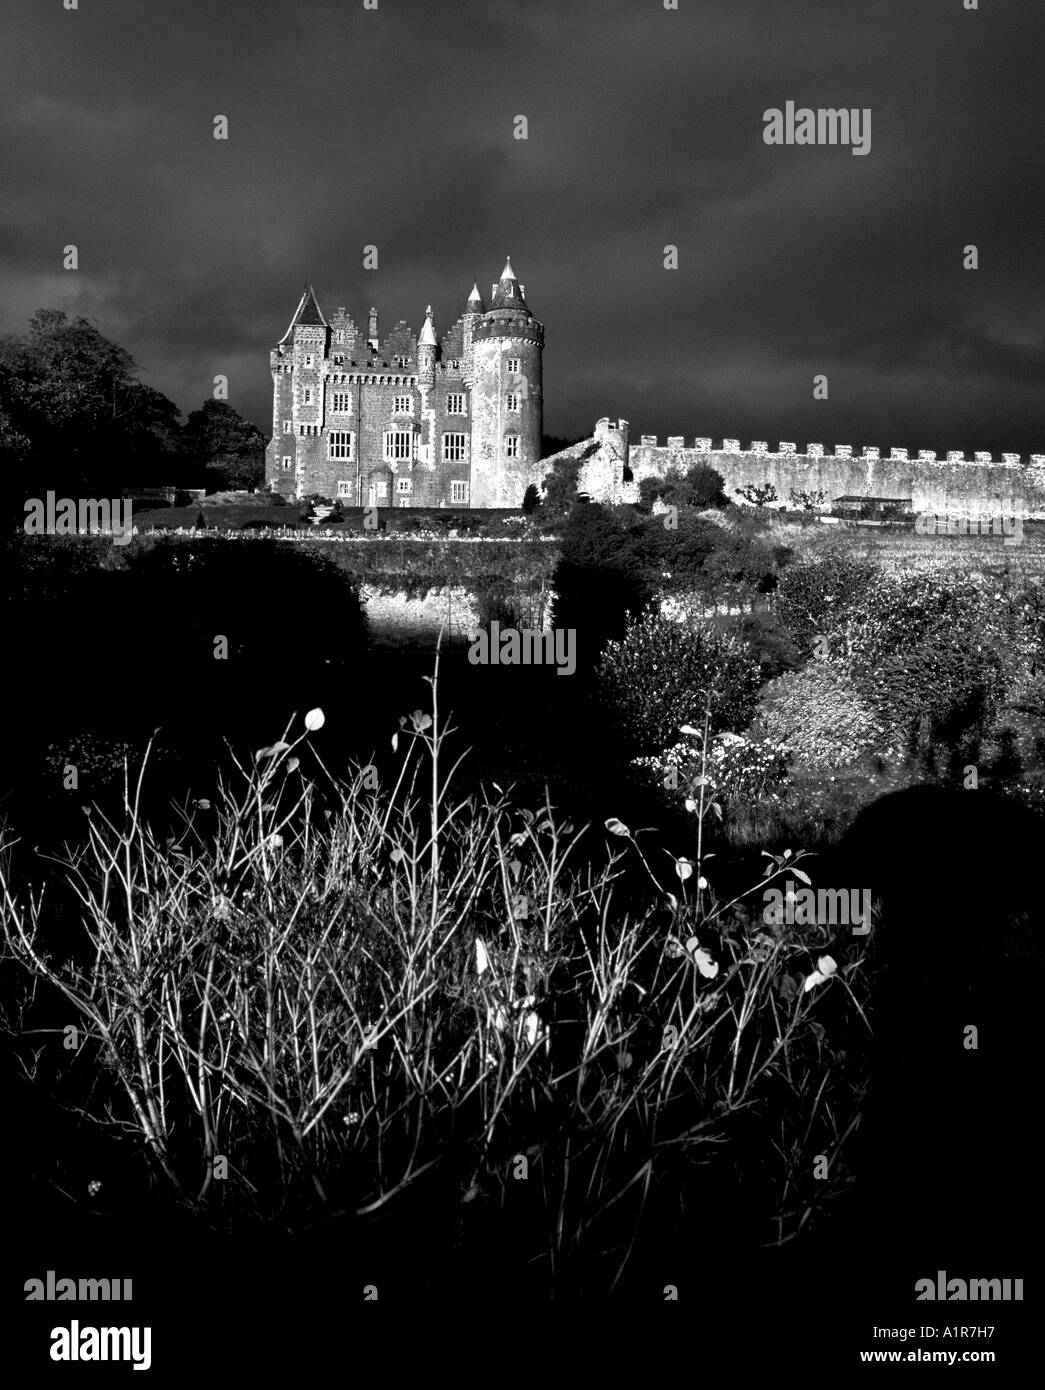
(397, 618)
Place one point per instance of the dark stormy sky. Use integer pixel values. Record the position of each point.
(394, 127)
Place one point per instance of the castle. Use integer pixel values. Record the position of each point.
(413, 421)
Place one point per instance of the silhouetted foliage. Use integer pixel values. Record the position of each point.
(71, 404)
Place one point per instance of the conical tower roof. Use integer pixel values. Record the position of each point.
(507, 294)
(308, 312)
(475, 301)
(428, 338)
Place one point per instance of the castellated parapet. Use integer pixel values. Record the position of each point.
(952, 486)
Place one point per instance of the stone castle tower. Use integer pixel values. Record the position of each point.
(413, 421)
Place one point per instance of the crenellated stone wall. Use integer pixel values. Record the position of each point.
(952, 485)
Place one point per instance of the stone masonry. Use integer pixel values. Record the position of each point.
(413, 420)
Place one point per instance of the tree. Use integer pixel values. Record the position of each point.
(758, 494)
(700, 487)
(531, 500)
(70, 401)
(809, 501)
(229, 449)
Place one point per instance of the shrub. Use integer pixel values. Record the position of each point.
(659, 675)
(531, 500)
(736, 767)
(818, 715)
(817, 597)
(939, 690)
(700, 486)
(900, 613)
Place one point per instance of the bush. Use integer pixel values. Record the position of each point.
(531, 500)
(655, 679)
(817, 713)
(735, 768)
(937, 691)
(817, 597)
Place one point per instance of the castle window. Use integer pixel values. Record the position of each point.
(339, 444)
(454, 447)
(288, 426)
(398, 445)
(513, 364)
(404, 405)
(287, 461)
(454, 364)
(404, 486)
(511, 446)
(343, 488)
(382, 487)
(309, 360)
(400, 361)
(339, 336)
(339, 358)
(458, 491)
(512, 400)
(455, 403)
(308, 395)
(342, 403)
(308, 429)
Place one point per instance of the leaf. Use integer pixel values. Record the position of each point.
(617, 827)
(799, 874)
(684, 868)
(395, 742)
(315, 719)
(705, 964)
(827, 965)
(293, 764)
(482, 959)
(271, 751)
(397, 855)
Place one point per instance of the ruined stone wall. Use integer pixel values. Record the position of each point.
(946, 486)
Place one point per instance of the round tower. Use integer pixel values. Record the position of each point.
(426, 347)
(507, 397)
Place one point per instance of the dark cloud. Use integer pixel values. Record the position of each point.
(394, 127)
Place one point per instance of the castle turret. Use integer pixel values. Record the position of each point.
(426, 349)
(473, 312)
(507, 343)
(371, 332)
(297, 366)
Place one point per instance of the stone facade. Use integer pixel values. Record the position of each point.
(955, 486)
(414, 420)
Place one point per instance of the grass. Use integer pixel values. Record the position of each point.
(328, 1001)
